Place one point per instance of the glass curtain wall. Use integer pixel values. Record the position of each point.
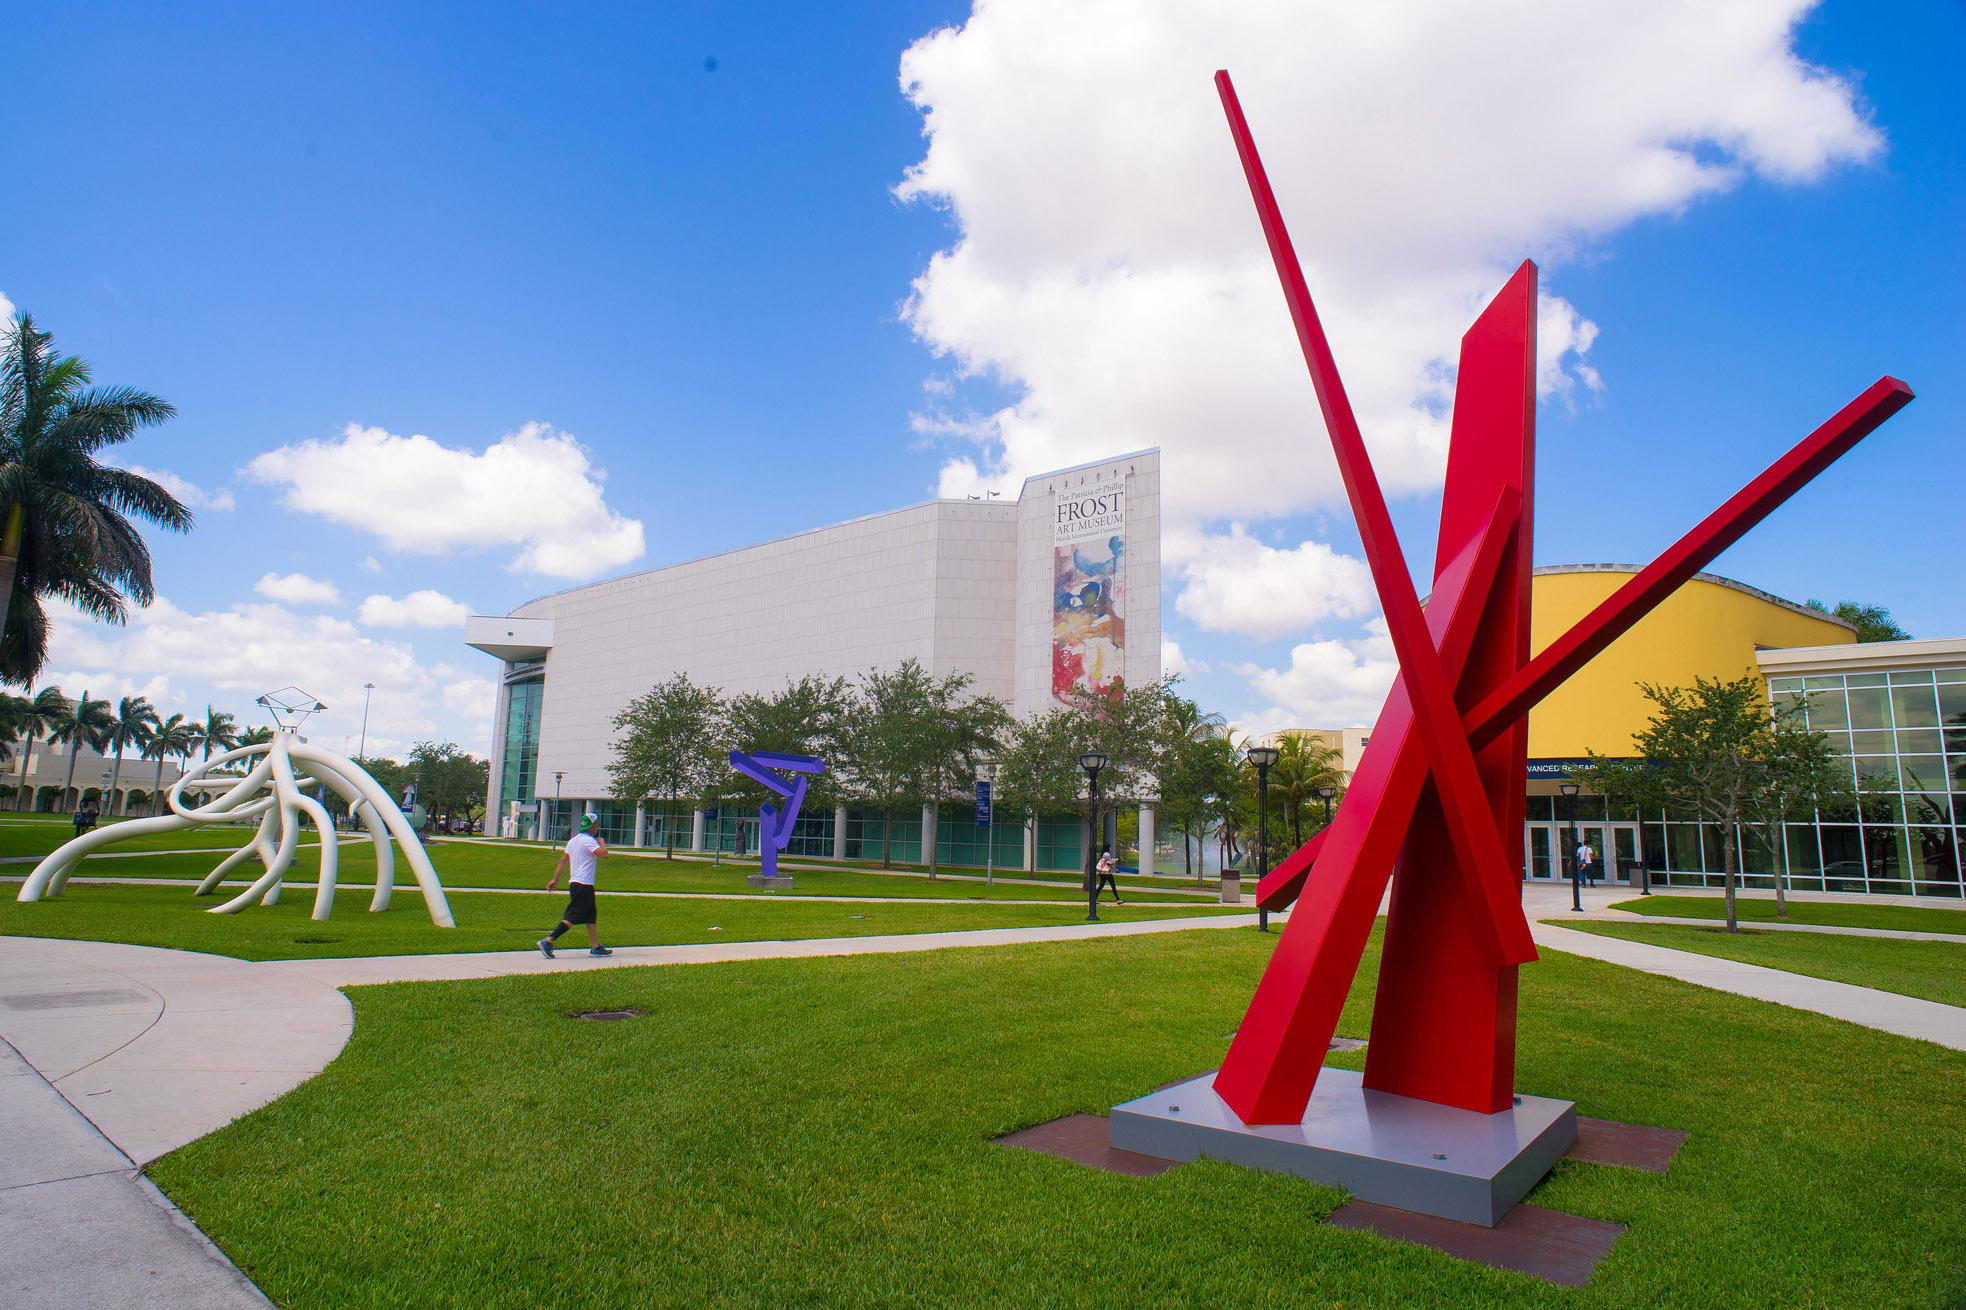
(521, 759)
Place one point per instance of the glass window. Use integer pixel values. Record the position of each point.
(1653, 840)
(1870, 707)
(1588, 807)
(1826, 682)
(1843, 858)
(1887, 855)
(1787, 702)
(1918, 741)
(1784, 684)
(1883, 807)
(1803, 857)
(1938, 857)
(1955, 741)
(1875, 741)
(1827, 710)
(1539, 852)
(1865, 679)
(1950, 675)
(1838, 741)
(1929, 807)
(1915, 706)
(1879, 768)
(1952, 703)
(1539, 808)
(1683, 854)
(1923, 772)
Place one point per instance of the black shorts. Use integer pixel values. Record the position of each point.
(580, 903)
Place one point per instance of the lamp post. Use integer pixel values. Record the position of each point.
(368, 692)
(1569, 790)
(557, 775)
(1325, 793)
(1092, 762)
(1262, 757)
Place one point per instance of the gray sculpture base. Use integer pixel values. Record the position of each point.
(781, 883)
(1392, 1150)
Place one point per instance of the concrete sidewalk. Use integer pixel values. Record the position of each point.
(80, 1226)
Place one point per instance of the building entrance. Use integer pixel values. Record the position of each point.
(1548, 849)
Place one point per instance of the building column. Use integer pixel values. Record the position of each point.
(641, 826)
(928, 834)
(1085, 843)
(1146, 839)
(839, 832)
(1030, 845)
(698, 829)
(1112, 835)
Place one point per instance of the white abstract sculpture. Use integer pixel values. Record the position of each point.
(271, 787)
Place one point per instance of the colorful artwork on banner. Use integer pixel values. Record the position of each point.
(1088, 631)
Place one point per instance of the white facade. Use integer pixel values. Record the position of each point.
(960, 585)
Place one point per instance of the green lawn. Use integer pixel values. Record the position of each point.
(816, 1133)
(1942, 917)
(1933, 970)
(461, 864)
(491, 921)
(30, 837)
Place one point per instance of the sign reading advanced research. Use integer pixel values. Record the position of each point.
(1088, 634)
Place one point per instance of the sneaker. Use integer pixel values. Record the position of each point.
(600, 950)
(546, 947)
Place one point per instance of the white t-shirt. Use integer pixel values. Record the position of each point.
(1585, 855)
(581, 856)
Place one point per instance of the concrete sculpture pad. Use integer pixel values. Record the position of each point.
(1390, 1150)
(771, 882)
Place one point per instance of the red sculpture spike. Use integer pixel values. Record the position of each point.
(1438, 785)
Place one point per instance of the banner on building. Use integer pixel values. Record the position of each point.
(1088, 634)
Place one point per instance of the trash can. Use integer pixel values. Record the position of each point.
(1637, 875)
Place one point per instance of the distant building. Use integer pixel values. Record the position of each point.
(1027, 595)
(53, 794)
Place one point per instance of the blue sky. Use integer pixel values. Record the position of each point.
(674, 233)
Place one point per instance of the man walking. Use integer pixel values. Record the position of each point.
(583, 853)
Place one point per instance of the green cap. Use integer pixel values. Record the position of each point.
(586, 822)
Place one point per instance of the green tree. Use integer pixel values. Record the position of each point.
(39, 714)
(85, 724)
(449, 779)
(66, 529)
(174, 738)
(1303, 765)
(1719, 752)
(1872, 622)
(962, 731)
(904, 738)
(219, 732)
(805, 717)
(392, 777)
(135, 720)
(1188, 773)
(671, 746)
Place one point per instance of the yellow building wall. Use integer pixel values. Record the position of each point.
(1702, 630)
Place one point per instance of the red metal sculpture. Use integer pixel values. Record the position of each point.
(1439, 790)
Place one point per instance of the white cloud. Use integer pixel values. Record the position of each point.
(1110, 266)
(1235, 583)
(1176, 661)
(419, 609)
(1329, 684)
(471, 697)
(187, 491)
(534, 489)
(370, 564)
(297, 589)
(233, 655)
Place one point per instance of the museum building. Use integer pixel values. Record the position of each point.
(1027, 595)
(1896, 711)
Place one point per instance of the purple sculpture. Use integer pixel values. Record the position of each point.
(775, 826)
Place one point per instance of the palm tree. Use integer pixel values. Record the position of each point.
(218, 730)
(136, 719)
(1303, 765)
(176, 736)
(65, 529)
(40, 715)
(85, 724)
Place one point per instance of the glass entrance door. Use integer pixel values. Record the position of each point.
(1550, 848)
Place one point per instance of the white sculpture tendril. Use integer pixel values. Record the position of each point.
(271, 787)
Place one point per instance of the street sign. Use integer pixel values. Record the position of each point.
(982, 804)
